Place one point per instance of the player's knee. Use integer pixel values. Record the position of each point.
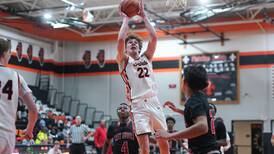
(144, 147)
(163, 143)
(145, 151)
(144, 144)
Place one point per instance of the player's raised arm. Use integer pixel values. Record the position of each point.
(26, 95)
(121, 39)
(152, 33)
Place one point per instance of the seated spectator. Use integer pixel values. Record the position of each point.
(226, 148)
(42, 136)
(55, 149)
(60, 135)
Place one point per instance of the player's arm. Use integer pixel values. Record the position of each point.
(108, 140)
(106, 146)
(26, 95)
(89, 133)
(173, 107)
(199, 128)
(152, 34)
(121, 56)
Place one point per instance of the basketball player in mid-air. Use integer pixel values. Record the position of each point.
(121, 134)
(200, 130)
(136, 71)
(12, 86)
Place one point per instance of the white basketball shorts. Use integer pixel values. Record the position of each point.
(148, 115)
(7, 143)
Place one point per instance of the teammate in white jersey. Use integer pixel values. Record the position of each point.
(12, 86)
(136, 71)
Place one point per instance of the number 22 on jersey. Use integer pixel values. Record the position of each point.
(143, 72)
(6, 89)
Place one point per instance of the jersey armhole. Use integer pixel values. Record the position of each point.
(144, 55)
(124, 65)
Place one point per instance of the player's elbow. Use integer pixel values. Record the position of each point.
(33, 111)
(154, 37)
(121, 39)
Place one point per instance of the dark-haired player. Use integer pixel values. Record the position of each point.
(137, 72)
(121, 135)
(200, 130)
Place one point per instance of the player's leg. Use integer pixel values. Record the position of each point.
(5, 147)
(142, 125)
(143, 141)
(158, 121)
(163, 146)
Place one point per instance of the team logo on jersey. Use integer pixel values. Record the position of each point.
(123, 136)
(140, 63)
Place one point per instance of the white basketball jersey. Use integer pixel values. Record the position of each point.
(139, 78)
(9, 95)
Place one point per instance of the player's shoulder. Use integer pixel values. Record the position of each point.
(195, 101)
(114, 124)
(7, 71)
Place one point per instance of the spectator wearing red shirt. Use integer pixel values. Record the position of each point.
(100, 136)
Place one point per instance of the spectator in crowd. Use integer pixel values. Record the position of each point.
(227, 147)
(55, 149)
(50, 121)
(100, 136)
(42, 121)
(219, 127)
(174, 145)
(78, 133)
(42, 136)
(53, 132)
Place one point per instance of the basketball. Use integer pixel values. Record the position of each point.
(130, 7)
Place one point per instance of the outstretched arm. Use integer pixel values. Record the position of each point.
(173, 107)
(121, 40)
(152, 34)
